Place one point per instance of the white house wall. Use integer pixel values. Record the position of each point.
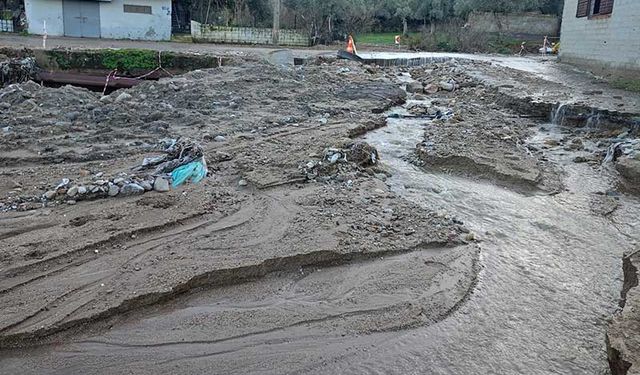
(608, 45)
(116, 24)
(38, 11)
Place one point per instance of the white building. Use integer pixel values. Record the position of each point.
(602, 35)
(114, 19)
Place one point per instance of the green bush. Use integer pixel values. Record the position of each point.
(454, 37)
(130, 59)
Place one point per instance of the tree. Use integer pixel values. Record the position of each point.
(464, 7)
(403, 9)
(434, 10)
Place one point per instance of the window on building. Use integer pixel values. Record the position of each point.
(602, 7)
(583, 8)
(588, 8)
(144, 9)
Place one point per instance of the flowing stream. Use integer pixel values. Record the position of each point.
(551, 274)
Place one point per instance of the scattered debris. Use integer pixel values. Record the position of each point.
(17, 70)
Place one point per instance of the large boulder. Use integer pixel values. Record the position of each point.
(629, 168)
(623, 335)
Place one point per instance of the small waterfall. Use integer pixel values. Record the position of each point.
(613, 152)
(593, 121)
(557, 117)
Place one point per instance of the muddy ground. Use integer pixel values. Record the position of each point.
(281, 239)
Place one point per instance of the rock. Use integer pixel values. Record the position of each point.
(580, 159)
(72, 116)
(431, 89)
(123, 97)
(551, 142)
(219, 138)
(576, 144)
(113, 190)
(161, 185)
(118, 181)
(363, 154)
(131, 189)
(82, 190)
(415, 87)
(146, 185)
(381, 176)
(50, 194)
(323, 120)
(629, 168)
(73, 191)
(447, 86)
(63, 183)
(282, 58)
(71, 202)
(242, 182)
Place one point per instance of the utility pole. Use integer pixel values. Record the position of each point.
(275, 34)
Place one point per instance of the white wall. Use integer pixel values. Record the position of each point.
(116, 24)
(38, 11)
(610, 45)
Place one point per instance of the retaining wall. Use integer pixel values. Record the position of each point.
(246, 35)
(517, 23)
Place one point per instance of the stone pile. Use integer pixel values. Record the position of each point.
(100, 187)
(155, 173)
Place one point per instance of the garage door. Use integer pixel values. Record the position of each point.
(81, 18)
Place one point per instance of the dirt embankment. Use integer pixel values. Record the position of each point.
(266, 206)
(623, 338)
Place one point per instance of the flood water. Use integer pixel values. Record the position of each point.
(550, 280)
(551, 273)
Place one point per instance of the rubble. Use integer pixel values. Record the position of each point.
(337, 163)
(17, 70)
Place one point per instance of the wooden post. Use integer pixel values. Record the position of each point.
(275, 34)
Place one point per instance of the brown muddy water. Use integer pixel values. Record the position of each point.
(550, 279)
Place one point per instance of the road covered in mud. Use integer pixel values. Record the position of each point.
(354, 217)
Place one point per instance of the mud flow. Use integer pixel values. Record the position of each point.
(355, 219)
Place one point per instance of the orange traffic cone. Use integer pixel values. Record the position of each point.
(351, 46)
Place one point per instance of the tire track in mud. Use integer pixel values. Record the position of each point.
(199, 229)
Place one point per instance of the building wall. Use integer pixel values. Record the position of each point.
(607, 45)
(38, 11)
(116, 24)
(520, 23)
(245, 35)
